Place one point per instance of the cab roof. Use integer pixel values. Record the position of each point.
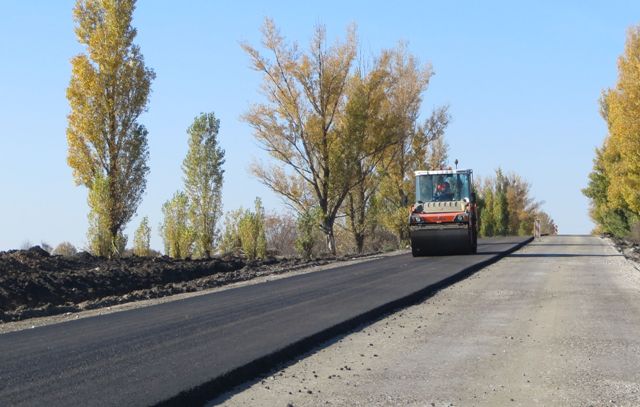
(442, 172)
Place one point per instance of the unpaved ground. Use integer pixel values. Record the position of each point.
(555, 324)
(21, 271)
(628, 247)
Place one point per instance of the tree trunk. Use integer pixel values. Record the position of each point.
(356, 213)
(331, 242)
(359, 238)
(327, 229)
(403, 232)
(113, 228)
(113, 237)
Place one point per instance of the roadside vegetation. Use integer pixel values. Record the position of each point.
(108, 91)
(506, 207)
(345, 132)
(190, 217)
(614, 183)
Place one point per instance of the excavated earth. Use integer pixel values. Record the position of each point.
(630, 249)
(35, 284)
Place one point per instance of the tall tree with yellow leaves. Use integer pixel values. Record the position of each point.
(142, 239)
(369, 123)
(621, 107)
(614, 184)
(203, 176)
(416, 146)
(299, 124)
(108, 91)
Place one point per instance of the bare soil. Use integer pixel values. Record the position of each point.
(36, 284)
(629, 248)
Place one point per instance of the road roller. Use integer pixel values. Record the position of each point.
(444, 219)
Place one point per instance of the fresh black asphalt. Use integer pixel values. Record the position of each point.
(185, 352)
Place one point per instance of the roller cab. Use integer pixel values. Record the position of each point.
(444, 218)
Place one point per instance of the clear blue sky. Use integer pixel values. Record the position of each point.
(522, 80)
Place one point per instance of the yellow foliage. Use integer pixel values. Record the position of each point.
(621, 110)
(298, 125)
(108, 91)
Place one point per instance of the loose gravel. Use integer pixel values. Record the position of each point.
(556, 323)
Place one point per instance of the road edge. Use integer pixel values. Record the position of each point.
(215, 387)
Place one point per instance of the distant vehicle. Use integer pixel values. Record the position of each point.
(444, 218)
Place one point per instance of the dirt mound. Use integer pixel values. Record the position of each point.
(629, 248)
(34, 283)
(32, 279)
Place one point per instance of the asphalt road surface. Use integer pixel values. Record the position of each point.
(555, 324)
(150, 355)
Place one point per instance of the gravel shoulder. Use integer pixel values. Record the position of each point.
(555, 323)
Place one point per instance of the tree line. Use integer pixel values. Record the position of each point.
(506, 207)
(343, 130)
(614, 182)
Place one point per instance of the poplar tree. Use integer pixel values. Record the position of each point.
(500, 206)
(175, 230)
(98, 235)
(614, 183)
(487, 222)
(230, 240)
(251, 232)
(142, 238)
(610, 217)
(305, 226)
(621, 109)
(203, 176)
(107, 93)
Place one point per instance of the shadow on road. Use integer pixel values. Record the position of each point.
(567, 245)
(562, 255)
(498, 243)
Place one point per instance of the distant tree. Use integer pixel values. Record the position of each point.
(26, 245)
(500, 205)
(252, 234)
(203, 176)
(108, 91)
(46, 246)
(244, 231)
(175, 231)
(507, 208)
(230, 241)
(305, 226)
(522, 208)
(64, 249)
(487, 220)
(547, 225)
(280, 230)
(142, 239)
